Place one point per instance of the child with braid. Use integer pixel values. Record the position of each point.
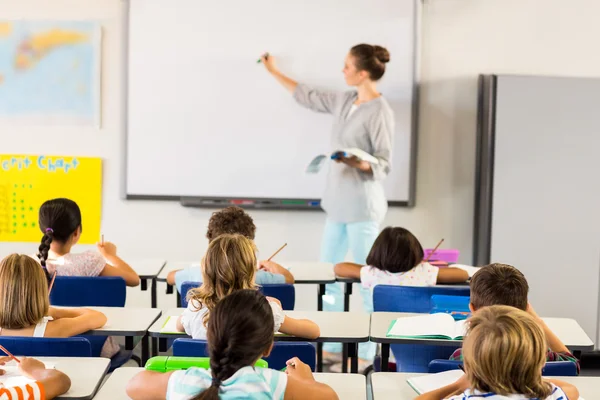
(239, 334)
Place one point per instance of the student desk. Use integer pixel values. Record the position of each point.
(305, 273)
(148, 270)
(86, 374)
(128, 322)
(348, 328)
(393, 386)
(347, 386)
(568, 330)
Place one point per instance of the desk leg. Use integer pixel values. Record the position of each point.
(347, 294)
(345, 357)
(129, 343)
(320, 295)
(144, 284)
(153, 297)
(353, 354)
(145, 349)
(162, 344)
(319, 357)
(169, 289)
(385, 357)
(154, 347)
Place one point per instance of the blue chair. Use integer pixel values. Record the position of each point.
(391, 298)
(552, 368)
(98, 291)
(282, 351)
(84, 291)
(285, 293)
(47, 347)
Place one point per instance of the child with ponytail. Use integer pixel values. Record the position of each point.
(239, 334)
(60, 221)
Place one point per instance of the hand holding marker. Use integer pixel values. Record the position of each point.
(266, 56)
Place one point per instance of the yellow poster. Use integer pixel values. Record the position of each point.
(28, 181)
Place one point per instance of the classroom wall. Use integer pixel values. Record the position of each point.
(460, 39)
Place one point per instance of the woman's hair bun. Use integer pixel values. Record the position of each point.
(382, 54)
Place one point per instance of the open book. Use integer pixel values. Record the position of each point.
(470, 269)
(170, 326)
(317, 163)
(430, 326)
(428, 383)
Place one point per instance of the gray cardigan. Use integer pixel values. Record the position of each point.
(352, 195)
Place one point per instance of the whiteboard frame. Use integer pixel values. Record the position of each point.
(276, 203)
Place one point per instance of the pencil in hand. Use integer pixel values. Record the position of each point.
(277, 252)
(8, 353)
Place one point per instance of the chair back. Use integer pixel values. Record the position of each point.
(86, 291)
(282, 351)
(409, 357)
(285, 293)
(47, 347)
(413, 299)
(552, 368)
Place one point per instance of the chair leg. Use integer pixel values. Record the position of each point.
(137, 360)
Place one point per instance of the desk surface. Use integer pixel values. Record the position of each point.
(304, 272)
(568, 330)
(347, 386)
(147, 268)
(126, 321)
(344, 327)
(86, 374)
(393, 386)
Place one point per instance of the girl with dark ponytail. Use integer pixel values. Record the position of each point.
(60, 222)
(240, 332)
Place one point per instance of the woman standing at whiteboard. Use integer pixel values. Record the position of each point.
(354, 198)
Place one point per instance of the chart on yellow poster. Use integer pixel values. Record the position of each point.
(27, 181)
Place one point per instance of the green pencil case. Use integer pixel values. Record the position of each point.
(172, 363)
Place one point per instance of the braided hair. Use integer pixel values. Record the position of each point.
(59, 219)
(239, 333)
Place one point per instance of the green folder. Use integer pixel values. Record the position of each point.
(172, 363)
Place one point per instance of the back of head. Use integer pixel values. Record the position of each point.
(395, 250)
(23, 292)
(240, 332)
(371, 59)
(499, 284)
(229, 265)
(504, 353)
(58, 220)
(231, 220)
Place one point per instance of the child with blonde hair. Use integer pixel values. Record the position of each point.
(504, 352)
(25, 307)
(228, 266)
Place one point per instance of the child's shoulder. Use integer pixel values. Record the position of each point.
(88, 263)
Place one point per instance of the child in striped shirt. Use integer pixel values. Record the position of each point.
(501, 284)
(48, 383)
(504, 352)
(240, 332)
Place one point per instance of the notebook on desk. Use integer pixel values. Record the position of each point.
(427, 383)
(170, 326)
(431, 326)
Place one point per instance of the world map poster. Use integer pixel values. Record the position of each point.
(50, 72)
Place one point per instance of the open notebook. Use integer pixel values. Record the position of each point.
(470, 269)
(317, 162)
(170, 326)
(431, 326)
(12, 377)
(427, 383)
(430, 382)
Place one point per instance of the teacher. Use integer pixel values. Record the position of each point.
(354, 198)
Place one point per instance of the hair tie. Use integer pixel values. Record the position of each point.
(216, 382)
(49, 230)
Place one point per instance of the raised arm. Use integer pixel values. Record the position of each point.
(116, 266)
(316, 100)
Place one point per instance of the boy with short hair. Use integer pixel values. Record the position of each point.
(502, 284)
(232, 220)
